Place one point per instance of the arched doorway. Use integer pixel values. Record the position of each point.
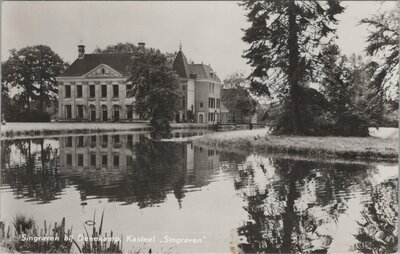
(92, 110)
(116, 113)
(201, 118)
(104, 115)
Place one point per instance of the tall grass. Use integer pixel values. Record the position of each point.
(12, 238)
(15, 239)
(94, 244)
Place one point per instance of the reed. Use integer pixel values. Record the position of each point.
(97, 242)
(27, 236)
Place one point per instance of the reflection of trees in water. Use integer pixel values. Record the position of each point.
(36, 176)
(160, 167)
(378, 231)
(299, 208)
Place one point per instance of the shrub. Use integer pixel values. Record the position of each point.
(33, 116)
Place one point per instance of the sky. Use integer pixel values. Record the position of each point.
(209, 31)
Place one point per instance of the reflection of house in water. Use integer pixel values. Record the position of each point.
(100, 151)
(132, 168)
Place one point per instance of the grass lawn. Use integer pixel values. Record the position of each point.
(371, 148)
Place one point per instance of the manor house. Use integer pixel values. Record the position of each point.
(95, 87)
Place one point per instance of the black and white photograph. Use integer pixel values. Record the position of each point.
(199, 126)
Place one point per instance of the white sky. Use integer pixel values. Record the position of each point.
(210, 31)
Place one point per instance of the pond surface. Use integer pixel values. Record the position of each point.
(226, 201)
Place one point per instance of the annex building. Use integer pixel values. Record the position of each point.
(95, 88)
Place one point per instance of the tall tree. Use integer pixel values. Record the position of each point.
(284, 39)
(354, 104)
(384, 44)
(155, 87)
(32, 71)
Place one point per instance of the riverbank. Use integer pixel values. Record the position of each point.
(261, 142)
(11, 130)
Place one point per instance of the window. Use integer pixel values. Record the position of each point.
(92, 91)
(103, 71)
(116, 139)
(183, 102)
(69, 159)
(201, 104)
(104, 160)
(80, 111)
(93, 160)
(115, 91)
(218, 103)
(93, 141)
(116, 160)
(129, 112)
(80, 160)
(79, 91)
(68, 111)
(105, 112)
(68, 91)
(103, 91)
(68, 142)
(128, 90)
(80, 141)
(92, 110)
(105, 140)
(211, 102)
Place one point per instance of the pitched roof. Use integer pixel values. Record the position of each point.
(118, 61)
(184, 69)
(181, 65)
(203, 71)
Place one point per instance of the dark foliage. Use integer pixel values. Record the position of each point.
(155, 88)
(32, 70)
(384, 43)
(284, 39)
(33, 116)
(355, 103)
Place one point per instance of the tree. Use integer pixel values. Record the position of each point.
(32, 71)
(384, 43)
(235, 80)
(120, 47)
(128, 47)
(155, 88)
(354, 104)
(284, 38)
(236, 97)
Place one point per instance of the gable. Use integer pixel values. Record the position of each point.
(103, 71)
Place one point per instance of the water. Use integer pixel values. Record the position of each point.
(225, 201)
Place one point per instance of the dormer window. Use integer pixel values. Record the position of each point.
(212, 74)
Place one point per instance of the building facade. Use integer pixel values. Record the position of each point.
(202, 91)
(95, 88)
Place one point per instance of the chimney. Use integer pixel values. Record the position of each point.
(81, 51)
(141, 45)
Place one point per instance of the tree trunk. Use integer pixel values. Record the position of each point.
(293, 59)
(28, 102)
(290, 215)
